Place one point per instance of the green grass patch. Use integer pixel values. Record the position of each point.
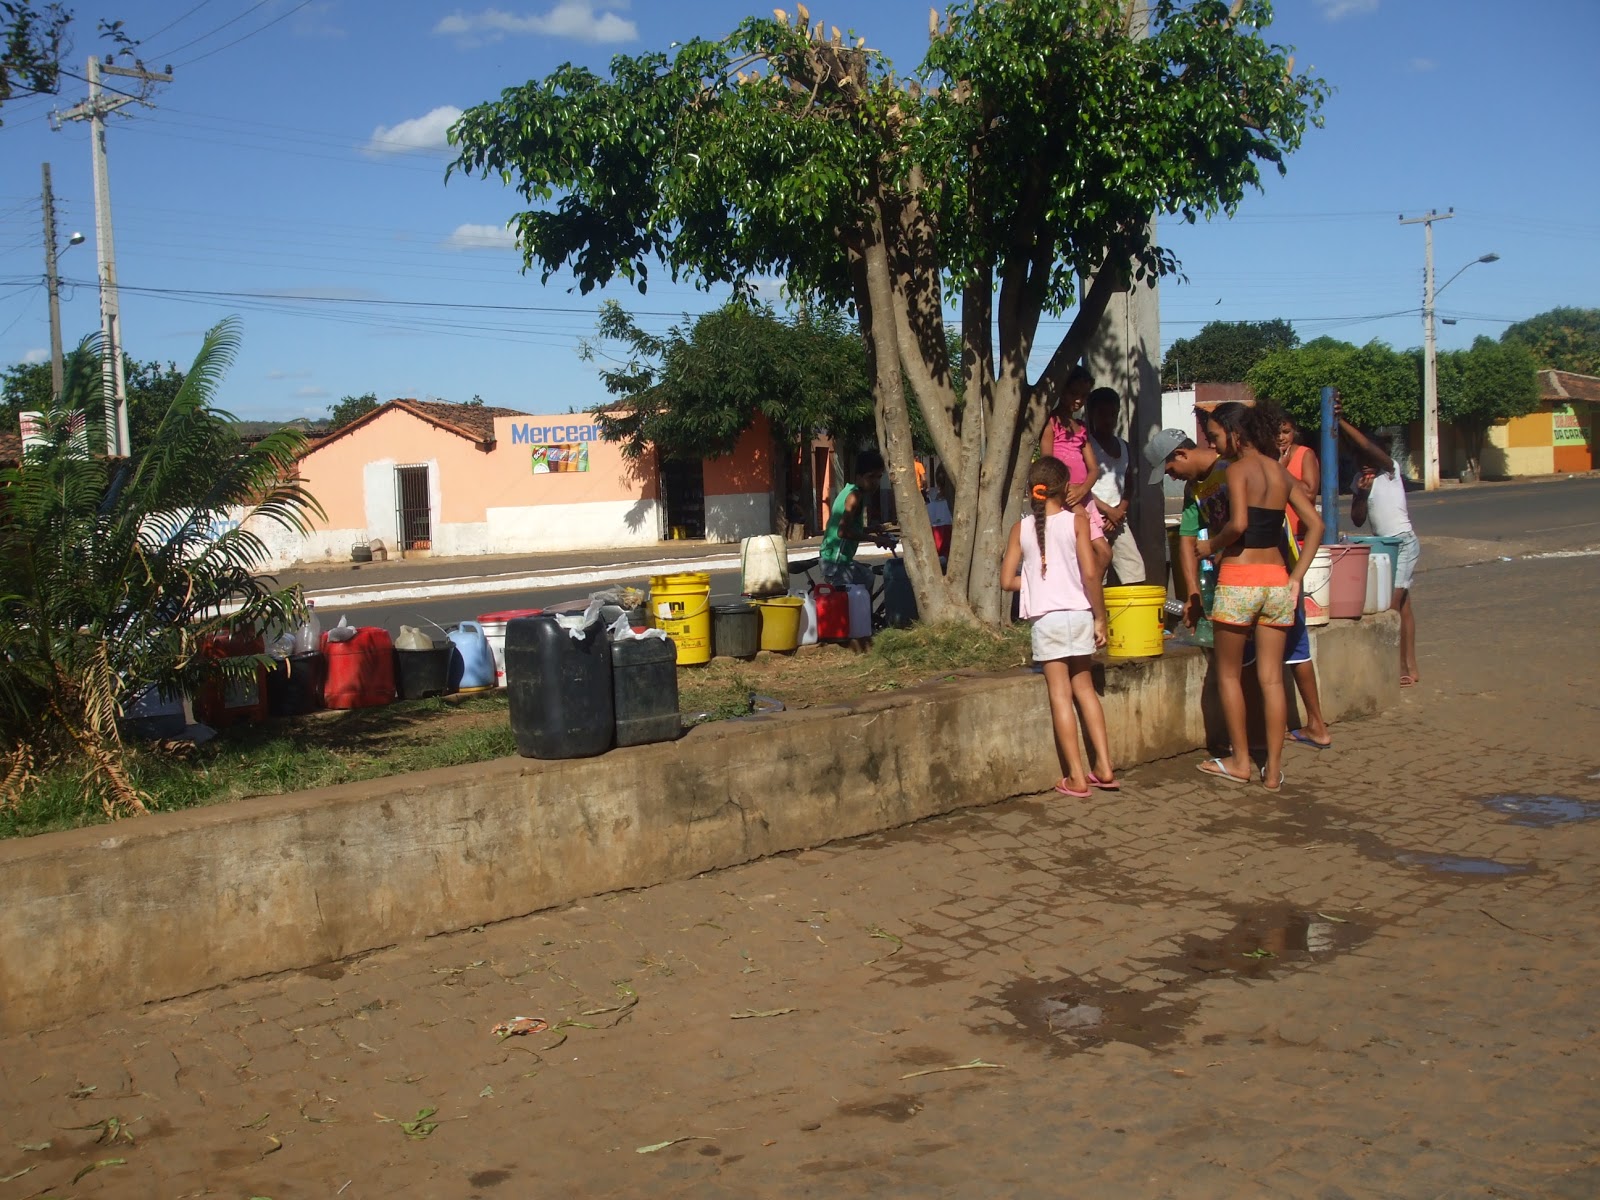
(369, 743)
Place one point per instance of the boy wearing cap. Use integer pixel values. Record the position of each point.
(1173, 454)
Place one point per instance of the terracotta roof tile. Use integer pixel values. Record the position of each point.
(475, 422)
(1560, 386)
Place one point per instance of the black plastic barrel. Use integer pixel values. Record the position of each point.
(645, 690)
(899, 598)
(735, 630)
(421, 673)
(294, 685)
(559, 687)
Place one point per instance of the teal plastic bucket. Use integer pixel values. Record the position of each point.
(1383, 545)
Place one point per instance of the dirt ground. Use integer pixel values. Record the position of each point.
(1376, 984)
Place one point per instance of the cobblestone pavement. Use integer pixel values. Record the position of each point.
(1371, 985)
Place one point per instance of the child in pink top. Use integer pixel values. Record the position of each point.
(1066, 439)
(1054, 566)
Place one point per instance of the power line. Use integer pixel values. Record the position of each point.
(174, 21)
(212, 32)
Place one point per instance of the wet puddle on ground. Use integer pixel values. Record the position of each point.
(1541, 812)
(1460, 864)
(1079, 1013)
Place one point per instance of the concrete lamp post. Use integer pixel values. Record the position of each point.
(1430, 365)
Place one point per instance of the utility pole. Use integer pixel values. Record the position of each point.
(1430, 362)
(95, 110)
(52, 282)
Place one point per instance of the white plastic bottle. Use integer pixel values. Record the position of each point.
(308, 637)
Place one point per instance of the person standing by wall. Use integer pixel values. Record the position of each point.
(1050, 561)
(1380, 493)
(1306, 471)
(1066, 439)
(1257, 588)
(847, 524)
(1110, 493)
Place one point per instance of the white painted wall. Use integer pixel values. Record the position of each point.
(1177, 412)
(731, 518)
(599, 525)
(377, 489)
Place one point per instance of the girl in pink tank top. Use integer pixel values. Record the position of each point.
(1049, 559)
(1066, 438)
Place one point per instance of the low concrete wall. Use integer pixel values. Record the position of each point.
(170, 904)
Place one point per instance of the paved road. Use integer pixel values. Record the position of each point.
(1377, 985)
(1525, 516)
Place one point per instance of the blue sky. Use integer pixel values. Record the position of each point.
(297, 154)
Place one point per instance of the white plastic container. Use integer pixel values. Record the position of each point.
(1380, 584)
(1317, 587)
(808, 617)
(860, 610)
(764, 565)
(494, 632)
(308, 638)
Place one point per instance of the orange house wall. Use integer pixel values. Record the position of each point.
(746, 468)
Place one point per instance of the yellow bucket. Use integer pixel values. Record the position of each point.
(681, 605)
(780, 623)
(1133, 625)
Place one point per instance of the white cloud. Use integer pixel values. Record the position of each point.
(1335, 10)
(481, 237)
(312, 393)
(583, 20)
(1423, 64)
(426, 132)
(37, 355)
(288, 374)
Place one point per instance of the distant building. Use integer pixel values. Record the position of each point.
(427, 477)
(1557, 437)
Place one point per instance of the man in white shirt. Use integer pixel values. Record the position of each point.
(1110, 492)
(1380, 493)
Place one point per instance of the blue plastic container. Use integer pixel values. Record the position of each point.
(471, 660)
(1382, 545)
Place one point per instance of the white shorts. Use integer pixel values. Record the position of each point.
(1065, 633)
(1405, 568)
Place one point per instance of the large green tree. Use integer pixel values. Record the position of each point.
(1567, 339)
(692, 391)
(350, 408)
(150, 388)
(114, 572)
(1029, 149)
(1493, 381)
(1224, 351)
(1378, 384)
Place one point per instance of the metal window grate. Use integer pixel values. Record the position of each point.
(411, 507)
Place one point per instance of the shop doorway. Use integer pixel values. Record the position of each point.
(683, 483)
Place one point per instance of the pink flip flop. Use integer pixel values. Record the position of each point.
(1105, 785)
(1066, 791)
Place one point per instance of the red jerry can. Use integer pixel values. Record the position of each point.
(833, 613)
(224, 702)
(360, 669)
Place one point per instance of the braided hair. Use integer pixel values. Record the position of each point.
(1046, 478)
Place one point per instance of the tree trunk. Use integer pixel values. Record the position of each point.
(936, 600)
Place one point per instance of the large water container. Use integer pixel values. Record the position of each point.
(560, 688)
(296, 684)
(494, 625)
(735, 631)
(764, 565)
(833, 613)
(1380, 583)
(1349, 579)
(472, 667)
(360, 669)
(860, 598)
(229, 702)
(644, 689)
(808, 618)
(899, 597)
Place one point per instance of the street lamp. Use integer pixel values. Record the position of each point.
(1430, 364)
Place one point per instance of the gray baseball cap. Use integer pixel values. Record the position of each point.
(1160, 447)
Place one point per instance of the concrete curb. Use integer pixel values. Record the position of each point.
(165, 905)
